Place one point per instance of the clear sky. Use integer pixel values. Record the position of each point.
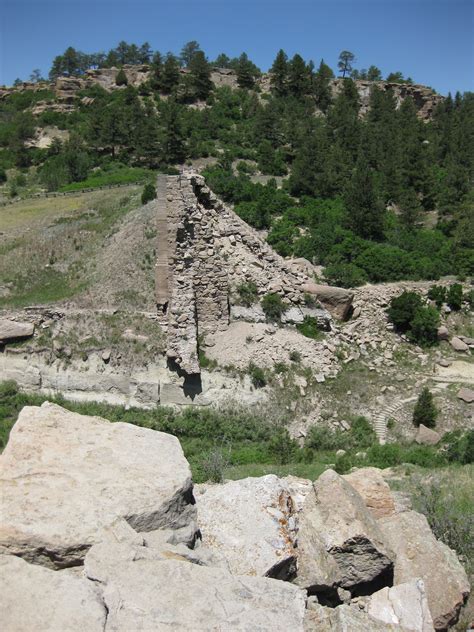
(429, 40)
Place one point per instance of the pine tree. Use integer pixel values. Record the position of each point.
(200, 75)
(188, 52)
(298, 77)
(363, 206)
(121, 78)
(170, 76)
(173, 144)
(374, 74)
(245, 72)
(346, 59)
(322, 87)
(156, 71)
(425, 410)
(279, 74)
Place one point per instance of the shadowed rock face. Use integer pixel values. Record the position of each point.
(65, 476)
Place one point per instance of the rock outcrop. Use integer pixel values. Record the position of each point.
(11, 330)
(421, 555)
(66, 476)
(261, 544)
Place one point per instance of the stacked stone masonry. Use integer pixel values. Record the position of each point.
(208, 252)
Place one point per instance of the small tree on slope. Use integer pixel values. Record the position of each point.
(425, 410)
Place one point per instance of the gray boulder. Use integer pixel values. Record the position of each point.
(10, 330)
(250, 523)
(427, 436)
(146, 594)
(458, 345)
(337, 300)
(67, 476)
(405, 604)
(421, 555)
(339, 541)
(374, 490)
(344, 619)
(37, 599)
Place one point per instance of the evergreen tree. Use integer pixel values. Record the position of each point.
(245, 72)
(279, 74)
(346, 59)
(222, 61)
(200, 75)
(121, 78)
(170, 75)
(410, 208)
(145, 53)
(298, 77)
(322, 87)
(173, 144)
(425, 410)
(366, 217)
(374, 74)
(156, 71)
(188, 52)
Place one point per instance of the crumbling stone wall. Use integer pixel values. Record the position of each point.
(208, 251)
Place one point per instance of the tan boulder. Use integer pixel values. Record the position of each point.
(458, 344)
(466, 394)
(421, 555)
(374, 489)
(11, 330)
(65, 477)
(427, 436)
(337, 300)
(339, 541)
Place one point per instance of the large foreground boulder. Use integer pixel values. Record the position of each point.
(405, 604)
(146, 593)
(11, 330)
(345, 619)
(421, 555)
(36, 599)
(67, 476)
(339, 542)
(250, 523)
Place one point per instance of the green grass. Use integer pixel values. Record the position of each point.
(125, 175)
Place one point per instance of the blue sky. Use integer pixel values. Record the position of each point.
(430, 40)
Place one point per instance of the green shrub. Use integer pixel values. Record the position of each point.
(383, 456)
(345, 275)
(362, 433)
(454, 296)
(257, 376)
(273, 306)
(248, 293)
(425, 410)
(149, 193)
(402, 310)
(295, 356)
(437, 293)
(121, 78)
(424, 326)
(3, 175)
(282, 447)
(213, 465)
(459, 446)
(309, 328)
(344, 463)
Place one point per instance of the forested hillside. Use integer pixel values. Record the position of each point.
(378, 195)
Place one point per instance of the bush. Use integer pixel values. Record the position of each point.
(309, 328)
(3, 175)
(248, 293)
(437, 293)
(345, 275)
(459, 446)
(213, 465)
(121, 78)
(149, 193)
(282, 447)
(424, 326)
(402, 310)
(425, 410)
(273, 306)
(362, 433)
(454, 297)
(257, 376)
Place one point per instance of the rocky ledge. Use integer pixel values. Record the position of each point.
(101, 530)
